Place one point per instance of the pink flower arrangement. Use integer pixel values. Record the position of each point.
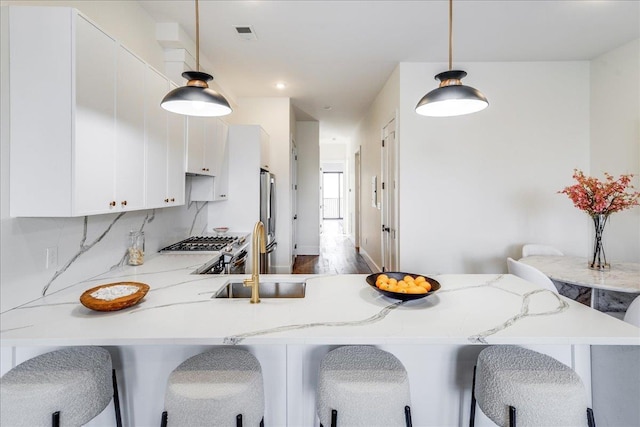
(596, 197)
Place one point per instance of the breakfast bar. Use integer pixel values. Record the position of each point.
(436, 337)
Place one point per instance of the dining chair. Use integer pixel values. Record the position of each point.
(530, 274)
(535, 249)
(633, 312)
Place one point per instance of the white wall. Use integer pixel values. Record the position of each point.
(24, 240)
(474, 188)
(308, 232)
(274, 115)
(369, 138)
(615, 138)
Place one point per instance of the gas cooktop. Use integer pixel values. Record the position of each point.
(205, 244)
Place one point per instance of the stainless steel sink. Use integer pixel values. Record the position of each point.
(267, 290)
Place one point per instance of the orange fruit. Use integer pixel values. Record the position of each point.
(408, 278)
(420, 279)
(425, 285)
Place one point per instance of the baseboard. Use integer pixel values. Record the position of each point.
(308, 250)
(372, 265)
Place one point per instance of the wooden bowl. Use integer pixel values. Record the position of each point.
(119, 303)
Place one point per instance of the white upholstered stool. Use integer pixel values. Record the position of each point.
(513, 383)
(363, 386)
(221, 387)
(66, 387)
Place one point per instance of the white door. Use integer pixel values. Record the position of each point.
(294, 199)
(388, 186)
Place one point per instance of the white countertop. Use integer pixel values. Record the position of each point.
(484, 308)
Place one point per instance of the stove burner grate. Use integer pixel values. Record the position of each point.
(201, 243)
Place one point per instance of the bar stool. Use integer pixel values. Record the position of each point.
(511, 381)
(67, 387)
(363, 386)
(221, 387)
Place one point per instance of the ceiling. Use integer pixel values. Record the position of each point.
(335, 56)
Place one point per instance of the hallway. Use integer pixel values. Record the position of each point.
(337, 254)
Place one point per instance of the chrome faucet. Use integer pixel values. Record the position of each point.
(258, 247)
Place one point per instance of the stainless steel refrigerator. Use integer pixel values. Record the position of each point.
(268, 218)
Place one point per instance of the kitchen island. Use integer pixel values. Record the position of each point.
(437, 337)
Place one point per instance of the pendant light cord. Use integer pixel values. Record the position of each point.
(198, 39)
(450, 33)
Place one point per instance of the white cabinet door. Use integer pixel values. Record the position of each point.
(130, 130)
(195, 145)
(221, 183)
(156, 131)
(94, 149)
(165, 177)
(211, 146)
(264, 150)
(205, 145)
(176, 158)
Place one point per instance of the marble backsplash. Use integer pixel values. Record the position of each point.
(86, 247)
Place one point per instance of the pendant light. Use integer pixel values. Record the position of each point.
(451, 98)
(196, 98)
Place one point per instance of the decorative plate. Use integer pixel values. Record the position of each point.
(372, 278)
(114, 296)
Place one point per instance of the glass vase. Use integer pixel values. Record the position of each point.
(599, 259)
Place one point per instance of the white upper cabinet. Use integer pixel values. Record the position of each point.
(206, 144)
(130, 131)
(165, 146)
(78, 113)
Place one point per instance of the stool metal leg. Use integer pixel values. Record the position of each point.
(163, 420)
(55, 419)
(262, 422)
(116, 399)
(512, 416)
(239, 420)
(407, 416)
(472, 412)
(590, 418)
(334, 418)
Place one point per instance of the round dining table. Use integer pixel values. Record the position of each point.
(620, 277)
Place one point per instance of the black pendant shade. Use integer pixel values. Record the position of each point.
(196, 98)
(451, 98)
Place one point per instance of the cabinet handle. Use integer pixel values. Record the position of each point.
(113, 203)
(123, 203)
(173, 199)
(166, 200)
(205, 169)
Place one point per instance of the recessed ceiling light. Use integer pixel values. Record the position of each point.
(327, 107)
(280, 85)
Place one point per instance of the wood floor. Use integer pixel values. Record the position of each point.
(338, 255)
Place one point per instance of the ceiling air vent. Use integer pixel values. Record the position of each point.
(245, 32)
